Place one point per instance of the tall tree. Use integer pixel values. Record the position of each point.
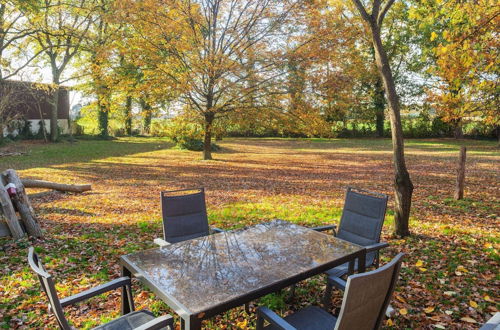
(14, 31)
(101, 61)
(202, 49)
(460, 43)
(403, 186)
(61, 27)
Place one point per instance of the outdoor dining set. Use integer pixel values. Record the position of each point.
(199, 271)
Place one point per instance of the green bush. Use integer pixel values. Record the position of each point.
(195, 145)
(181, 130)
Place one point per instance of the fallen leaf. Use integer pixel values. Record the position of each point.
(429, 310)
(448, 312)
(488, 298)
(473, 304)
(449, 293)
(419, 263)
(389, 322)
(403, 311)
(242, 324)
(422, 269)
(468, 319)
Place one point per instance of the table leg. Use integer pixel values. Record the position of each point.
(362, 262)
(127, 297)
(191, 324)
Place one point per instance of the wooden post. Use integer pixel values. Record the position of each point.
(459, 190)
(9, 214)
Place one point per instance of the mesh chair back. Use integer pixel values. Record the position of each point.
(184, 215)
(362, 218)
(47, 283)
(367, 296)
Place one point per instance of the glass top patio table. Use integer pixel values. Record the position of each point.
(205, 276)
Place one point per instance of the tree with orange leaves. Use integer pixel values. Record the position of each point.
(203, 50)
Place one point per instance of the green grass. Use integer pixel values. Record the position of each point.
(251, 181)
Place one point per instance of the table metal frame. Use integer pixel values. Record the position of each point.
(193, 320)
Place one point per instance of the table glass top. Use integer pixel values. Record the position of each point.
(211, 270)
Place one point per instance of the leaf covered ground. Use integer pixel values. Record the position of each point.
(449, 278)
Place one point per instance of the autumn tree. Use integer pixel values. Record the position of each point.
(202, 50)
(14, 31)
(460, 44)
(101, 61)
(402, 183)
(61, 27)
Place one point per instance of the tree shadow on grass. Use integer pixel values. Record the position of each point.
(83, 151)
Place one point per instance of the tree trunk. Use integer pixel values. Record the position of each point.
(459, 189)
(379, 105)
(147, 116)
(103, 108)
(457, 131)
(147, 121)
(207, 144)
(29, 183)
(54, 114)
(403, 186)
(128, 115)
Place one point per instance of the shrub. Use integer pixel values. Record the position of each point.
(185, 133)
(195, 145)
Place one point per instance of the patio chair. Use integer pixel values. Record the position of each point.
(184, 216)
(361, 223)
(138, 320)
(366, 298)
(493, 323)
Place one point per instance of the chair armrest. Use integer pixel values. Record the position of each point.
(115, 284)
(161, 242)
(376, 246)
(492, 323)
(273, 318)
(216, 230)
(158, 323)
(337, 282)
(325, 228)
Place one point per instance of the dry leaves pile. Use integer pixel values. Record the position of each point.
(450, 275)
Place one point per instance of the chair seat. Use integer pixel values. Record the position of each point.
(310, 318)
(129, 321)
(343, 269)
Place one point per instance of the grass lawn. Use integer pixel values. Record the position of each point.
(449, 278)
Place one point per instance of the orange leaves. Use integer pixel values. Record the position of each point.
(254, 180)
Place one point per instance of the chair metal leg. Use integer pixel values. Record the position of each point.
(327, 297)
(260, 323)
(247, 308)
(127, 297)
(292, 291)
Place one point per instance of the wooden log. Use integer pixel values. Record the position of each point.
(30, 183)
(8, 213)
(10, 176)
(23, 205)
(459, 189)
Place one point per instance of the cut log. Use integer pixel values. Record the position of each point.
(30, 183)
(8, 213)
(459, 189)
(23, 205)
(10, 176)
